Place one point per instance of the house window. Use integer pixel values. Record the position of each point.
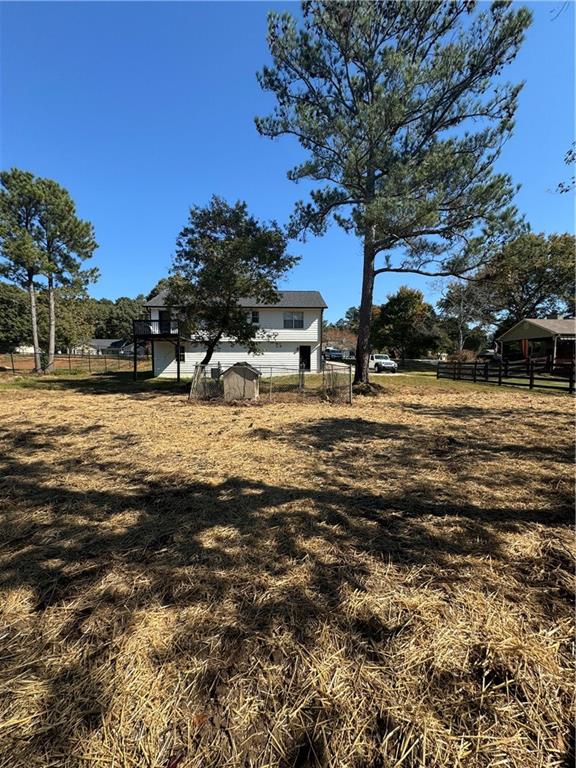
(182, 354)
(293, 319)
(255, 318)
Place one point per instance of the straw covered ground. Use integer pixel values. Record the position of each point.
(293, 584)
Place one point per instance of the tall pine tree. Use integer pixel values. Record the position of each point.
(402, 113)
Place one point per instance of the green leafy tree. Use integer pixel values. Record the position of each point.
(23, 262)
(124, 312)
(222, 255)
(100, 312)
(350, 320)
(533, 276)
(406, 325)
(402, 111)
(65, 242)
(15, 326)
(75, 325)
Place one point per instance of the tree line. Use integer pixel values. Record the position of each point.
(79, 318)
(401, 111)
(533, 276)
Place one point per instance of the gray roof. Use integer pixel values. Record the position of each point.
(103, 343)
(288, 300)
(557, 327)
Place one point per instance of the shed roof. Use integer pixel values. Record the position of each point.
(544, 327)
(244, 367)
(287, 299)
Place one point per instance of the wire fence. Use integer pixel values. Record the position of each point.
(271, 383)
(107, 362)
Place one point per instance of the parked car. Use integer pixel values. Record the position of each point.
(382, 363)
(333, 354)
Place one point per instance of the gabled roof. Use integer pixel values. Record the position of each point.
(245, 367)
(287, 300)
(556, 327)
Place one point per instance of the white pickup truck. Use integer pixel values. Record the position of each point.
(382, 363)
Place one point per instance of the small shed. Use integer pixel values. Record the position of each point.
(241, 382)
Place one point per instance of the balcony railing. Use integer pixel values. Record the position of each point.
(144, 328)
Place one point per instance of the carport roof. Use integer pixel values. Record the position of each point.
(558, 327)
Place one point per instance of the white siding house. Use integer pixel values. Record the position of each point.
(289, 336)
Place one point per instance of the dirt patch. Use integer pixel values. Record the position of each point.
(300, 584)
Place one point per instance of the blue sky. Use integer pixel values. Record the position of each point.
(143, 109)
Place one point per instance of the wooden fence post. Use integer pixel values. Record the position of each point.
(105, 366)
(571, 380)
(438, 370)
(69, 363)
(475, 370)
(12, 362)
(270, 386)
(499, 374)
(531, 384)
(459, 370)
(89, 364)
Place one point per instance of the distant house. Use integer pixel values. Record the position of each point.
(339, 338)
(289, 336)
(552, 339)
(99, 347)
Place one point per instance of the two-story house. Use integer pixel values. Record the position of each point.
(289, 336)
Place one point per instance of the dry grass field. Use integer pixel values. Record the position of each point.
(299, 584)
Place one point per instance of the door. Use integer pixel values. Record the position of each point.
(164, 320)
(305, 354)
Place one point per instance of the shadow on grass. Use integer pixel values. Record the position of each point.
(102, 384)
(123, 539)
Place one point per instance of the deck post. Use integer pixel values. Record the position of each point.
(178, 359)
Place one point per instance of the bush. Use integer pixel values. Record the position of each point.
(462, 356)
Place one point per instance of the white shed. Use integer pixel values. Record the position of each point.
(241, 382)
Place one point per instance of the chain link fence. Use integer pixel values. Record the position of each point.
(107, 361)
(278, 384)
